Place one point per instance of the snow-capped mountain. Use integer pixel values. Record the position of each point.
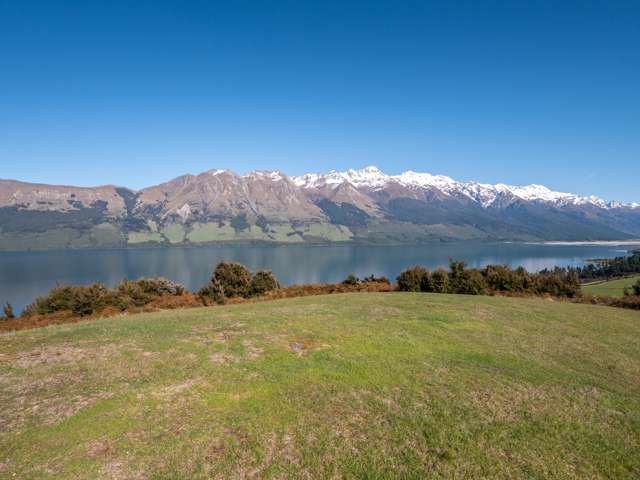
(485, 194)
(269, 206)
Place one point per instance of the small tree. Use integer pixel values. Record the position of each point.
(8, 311)
(234, 278)
(411, 279)
(635, 289)
(263, 281)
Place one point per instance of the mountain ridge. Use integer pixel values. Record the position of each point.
(355, 205)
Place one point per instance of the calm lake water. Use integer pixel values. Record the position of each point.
(24, 276)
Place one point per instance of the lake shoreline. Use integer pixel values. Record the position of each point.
(26, 275)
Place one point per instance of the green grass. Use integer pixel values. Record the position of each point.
(395, 385)
(612, 288)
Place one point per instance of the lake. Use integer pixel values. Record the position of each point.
(25, 275)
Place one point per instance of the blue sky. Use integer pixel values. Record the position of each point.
(135, 93)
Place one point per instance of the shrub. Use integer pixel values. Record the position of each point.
(58, 299)
(373, 279)
(456, 276)
(557, 282)
(635, 288)
(7, 310)
(351, 280)
(234, 278)
(426, 283)
(86, 300)
(262, 282)
(140, 292)
(501, 278)
(80, 300)
(213, 292)
(161, 286)
(131, 293)
(411, 279)
(440, 281)
(473, 282)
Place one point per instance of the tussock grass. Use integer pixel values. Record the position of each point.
(378, 385)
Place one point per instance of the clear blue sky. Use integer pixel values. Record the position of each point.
(137, 92)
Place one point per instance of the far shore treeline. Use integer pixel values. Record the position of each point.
(233, 283)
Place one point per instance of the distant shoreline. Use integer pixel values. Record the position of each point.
(612, 243)
(351, 243)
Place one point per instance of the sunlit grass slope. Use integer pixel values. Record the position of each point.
(612, 288)
(394, 385)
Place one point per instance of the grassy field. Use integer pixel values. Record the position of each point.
(394, 385)
(612, 288)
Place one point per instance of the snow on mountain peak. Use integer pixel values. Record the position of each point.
(273, 175)
(367, 177)
(485, 194)
(218, 171)
(424, 180)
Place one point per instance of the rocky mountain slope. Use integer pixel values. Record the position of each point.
(356, 205)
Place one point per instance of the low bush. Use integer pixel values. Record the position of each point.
(212, 292)
(501, 278)
(558, 282)
(86, 300)
(7, 311)
(440, 281)
(80, 300)
(138, 293)
(234, 278)
(456, 276)
(473, 283)
(351, 280)
(263, 281)
(411, 279)
(373, 279)
(426, 282)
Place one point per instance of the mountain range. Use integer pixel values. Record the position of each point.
(363, 205)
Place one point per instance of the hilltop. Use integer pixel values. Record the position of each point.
(382, 385)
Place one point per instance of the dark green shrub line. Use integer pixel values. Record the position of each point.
(87, 300)
(611, 268)
(352, 280)
(558, 282)
(234, 280)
